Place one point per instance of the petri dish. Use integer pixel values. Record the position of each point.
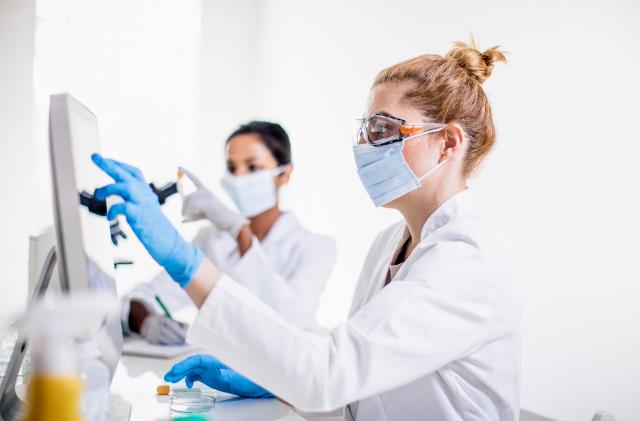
(186, 391)
(191, 403)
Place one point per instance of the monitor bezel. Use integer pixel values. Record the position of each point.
(72, 265)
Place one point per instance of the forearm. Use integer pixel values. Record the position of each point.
(249, 360)
(244, 239)
(203, 282)
(385, 343)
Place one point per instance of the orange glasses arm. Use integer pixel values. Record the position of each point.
(410, 130)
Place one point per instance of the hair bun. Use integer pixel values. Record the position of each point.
(477, 65)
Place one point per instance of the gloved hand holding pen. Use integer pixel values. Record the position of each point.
(210, 371)
(156, 328)
(203, 204)
(159, 329)
(142, 211)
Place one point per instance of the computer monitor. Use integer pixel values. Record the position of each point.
(80, 234)
(82, 240)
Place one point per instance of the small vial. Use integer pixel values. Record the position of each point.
(185, 185)
(163, 389)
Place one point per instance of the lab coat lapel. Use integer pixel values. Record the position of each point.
(378, 273)
(439, 218)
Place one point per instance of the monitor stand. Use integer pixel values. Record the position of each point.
(10, 404)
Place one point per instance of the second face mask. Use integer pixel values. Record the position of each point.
(252, 193)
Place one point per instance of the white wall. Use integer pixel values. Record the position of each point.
(16, 149)
(563, 177)
(229, 81)
(139, 71)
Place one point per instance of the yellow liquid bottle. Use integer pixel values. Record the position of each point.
(55, 388)
(54, 398)
(53, 393)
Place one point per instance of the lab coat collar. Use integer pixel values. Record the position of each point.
(446, 212)
(286, 224)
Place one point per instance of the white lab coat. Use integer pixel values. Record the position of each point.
(293, 262)
(440, 342)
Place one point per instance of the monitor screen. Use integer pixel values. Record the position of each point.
(80, 231)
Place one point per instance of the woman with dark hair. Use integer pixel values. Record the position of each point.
(294, 263)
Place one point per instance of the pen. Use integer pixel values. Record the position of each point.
(163, 307)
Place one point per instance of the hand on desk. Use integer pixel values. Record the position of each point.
(159, 329)
(155, 328)
(208, 370)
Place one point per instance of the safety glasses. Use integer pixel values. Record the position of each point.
(381, 129)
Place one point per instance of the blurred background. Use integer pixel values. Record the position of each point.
(170, 79)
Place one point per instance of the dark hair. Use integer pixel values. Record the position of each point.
(272, 135)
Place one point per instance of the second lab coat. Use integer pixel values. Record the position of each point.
(293, 262)
(439, 342)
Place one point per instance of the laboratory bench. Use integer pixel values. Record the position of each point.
(136, 379)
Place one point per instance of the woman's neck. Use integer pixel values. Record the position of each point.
(261, 224)
(416, 216)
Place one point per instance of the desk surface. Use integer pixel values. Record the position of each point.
(136, 379)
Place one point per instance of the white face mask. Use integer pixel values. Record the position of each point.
(385, 173)
(253, 193)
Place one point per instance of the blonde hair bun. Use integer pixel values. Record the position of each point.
(449, 89)
(478, 65)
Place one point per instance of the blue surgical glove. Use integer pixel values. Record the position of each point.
(208, 370)
(142, 210)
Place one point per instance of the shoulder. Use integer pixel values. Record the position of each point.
(461, 224)
(468, 254)
(473, 232)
